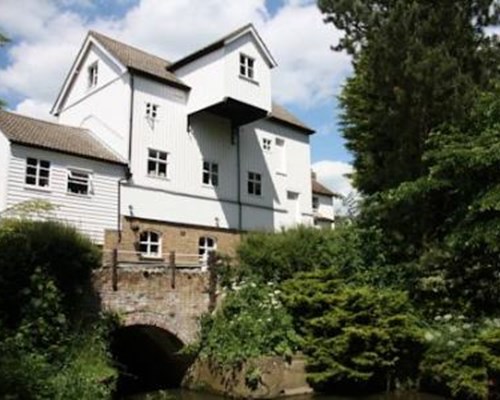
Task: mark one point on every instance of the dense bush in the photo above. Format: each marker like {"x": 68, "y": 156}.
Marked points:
{"x": 357, "y": 338}
{"x": 52, "y": 338}
{"x": 463, "y": 358}
{"x": 250, "y": 322}
{"x": 276, "y": 257}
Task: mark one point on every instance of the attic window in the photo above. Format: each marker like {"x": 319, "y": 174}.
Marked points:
{"x": 247, "y": 66}
{"x": 151, "y": 110}
{"x": 92, "y": 75}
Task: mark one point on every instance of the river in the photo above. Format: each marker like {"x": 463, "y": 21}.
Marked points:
{"x": 179, "y": 394}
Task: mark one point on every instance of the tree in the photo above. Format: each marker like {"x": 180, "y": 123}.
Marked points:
{"x": 417, "y": 64}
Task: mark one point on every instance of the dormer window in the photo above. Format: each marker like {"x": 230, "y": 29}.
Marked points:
{"x": 247, "y": 66}
{"x": 151, "y": 110}
{"x": 92, "y": 72}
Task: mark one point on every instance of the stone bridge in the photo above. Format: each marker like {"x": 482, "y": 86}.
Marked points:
{"x": 169, "y": 298}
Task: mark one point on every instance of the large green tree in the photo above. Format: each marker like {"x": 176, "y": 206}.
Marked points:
{"x": 417, "y": 64}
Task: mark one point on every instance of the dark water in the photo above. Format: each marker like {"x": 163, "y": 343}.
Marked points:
{"x": 178, "y": 394}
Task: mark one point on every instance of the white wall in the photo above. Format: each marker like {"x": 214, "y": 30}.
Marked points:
{"x": 217, "y": 75}
{"x": 257, "y": 93}
{"x": 325, "y": 209}
{"x": 103, "y": 109}
{"x": 4, "y": 164}
{"x": 90, "y": 214}
{"x": 277, "y": 181}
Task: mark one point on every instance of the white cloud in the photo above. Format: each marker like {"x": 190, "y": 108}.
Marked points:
{"x": 48, "y": 36}
{"x": 332, "y": 174}
{"x": 35, "y": 109}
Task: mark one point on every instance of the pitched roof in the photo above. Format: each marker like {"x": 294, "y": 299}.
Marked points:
{"x": 138, "y": 60}
{"x": 318, "y": 188}
{"x": 47, "y": 135}
{"x": 281, "y": 114}
{"x": 220, "y": 43}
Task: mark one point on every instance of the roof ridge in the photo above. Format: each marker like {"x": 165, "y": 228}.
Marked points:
{"x": 44, "y": 121}
{"x": 96, "y": 34}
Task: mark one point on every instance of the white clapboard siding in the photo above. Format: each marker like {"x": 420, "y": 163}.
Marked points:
{"x": 103, "y": 109}
{"x": 4, "y": 164}
{"x": 91, "y": 214}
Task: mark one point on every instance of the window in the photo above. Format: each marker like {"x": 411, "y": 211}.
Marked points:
{"x": 37, "y": 172}
{"x": 149, "y": 244}
{"x": 247, "y": 66}
{"x": 92, "y": 75}
{"x": 78, "y": 182}
{"x": 254, "y": 183}
{"x": 280, "y": 147}
{"x": 206, "y": 245}
{"x": 157, "y": 163}
{"x": 266, "y": 144}
{"x": 315, "y": 203}
{"x": 151, "y": 110}
{"x": 210, "y": 173}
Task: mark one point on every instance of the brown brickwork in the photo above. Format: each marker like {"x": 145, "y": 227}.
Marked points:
{"x": 183, "y": 239}
{"x": 147, "y": 296}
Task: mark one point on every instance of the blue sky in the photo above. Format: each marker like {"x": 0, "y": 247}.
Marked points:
{"x": 46, "y": 35}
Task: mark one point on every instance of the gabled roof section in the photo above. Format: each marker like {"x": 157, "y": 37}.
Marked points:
{"x": 33, "y": 132}
{"x": 249, "y": 28}
{"x": 138, "y": 60}
{"x": 318, "y": 188}
{"x": 282, "y": 115}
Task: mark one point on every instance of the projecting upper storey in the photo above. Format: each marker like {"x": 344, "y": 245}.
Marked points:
{"x": 230, "y": 77}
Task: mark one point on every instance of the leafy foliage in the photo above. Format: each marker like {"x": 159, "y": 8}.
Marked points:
{"x": 251, "y": 322}
{"x": 53, "y": 342}
{"x": 357, "y": 338}
{"x": 463, "y": 359}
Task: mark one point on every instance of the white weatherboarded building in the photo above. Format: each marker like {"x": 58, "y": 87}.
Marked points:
{"x": 208, "y": 153}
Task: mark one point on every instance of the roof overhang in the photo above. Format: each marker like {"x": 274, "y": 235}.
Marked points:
{"x": 75, "y": 69}
{"x": 247, "y": 29}
{"x": 237, "y": 112}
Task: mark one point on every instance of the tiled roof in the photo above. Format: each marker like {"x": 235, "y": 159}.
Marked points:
{"x": 52, "y": 136}
{"x": 318, "y": 188}
{"x": 281, "y": 114}
{"x": 138, "y": 60}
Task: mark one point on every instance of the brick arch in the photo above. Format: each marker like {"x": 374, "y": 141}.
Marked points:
{"x": 157, "y": 320}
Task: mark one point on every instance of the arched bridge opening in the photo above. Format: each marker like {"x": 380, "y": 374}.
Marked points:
{"x": 148, "y": 358}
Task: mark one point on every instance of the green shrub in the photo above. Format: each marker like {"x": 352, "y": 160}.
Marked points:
{"x": 278, "y": 256}
{"x": 251, "y": 322}
{"x": 463, "y": 358}
{"x": 356, "y": 338}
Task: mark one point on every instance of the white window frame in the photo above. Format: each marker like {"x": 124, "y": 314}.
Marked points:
{"x": 150, "y": 243}
{"x": 155, "y": 156}
{"x": 247, "y": 66}
{"x": 92, "y": 74}
{"x": 254, "y": 183}
{"x": 152, "y": 110}
{"x": 37, "y": 173}
{"x": 210, "y": 173}
{"x": 267, "y": 144}
{"x": 72, "y": 177}
{"x": 204, "y": 249}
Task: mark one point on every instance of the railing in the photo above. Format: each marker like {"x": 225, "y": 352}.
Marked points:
{"x": 172, "y": 261}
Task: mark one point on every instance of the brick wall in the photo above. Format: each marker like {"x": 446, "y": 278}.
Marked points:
{"x": 183, "y": 239}
{"x": 147, "y": 296}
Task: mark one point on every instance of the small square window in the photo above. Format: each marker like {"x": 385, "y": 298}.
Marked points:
{"x": 37, "y": 172}
{"x": 157, "y": 163}
{"x": 254, "y": 183}
{"x": 315, "y": 203}
{"x": 266, "y": 144}
{"x": 92, "y": 75}
{"x": 152, "y": 110}
{"x": 79, "y": 182}
{"x": 247, "y": 66}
